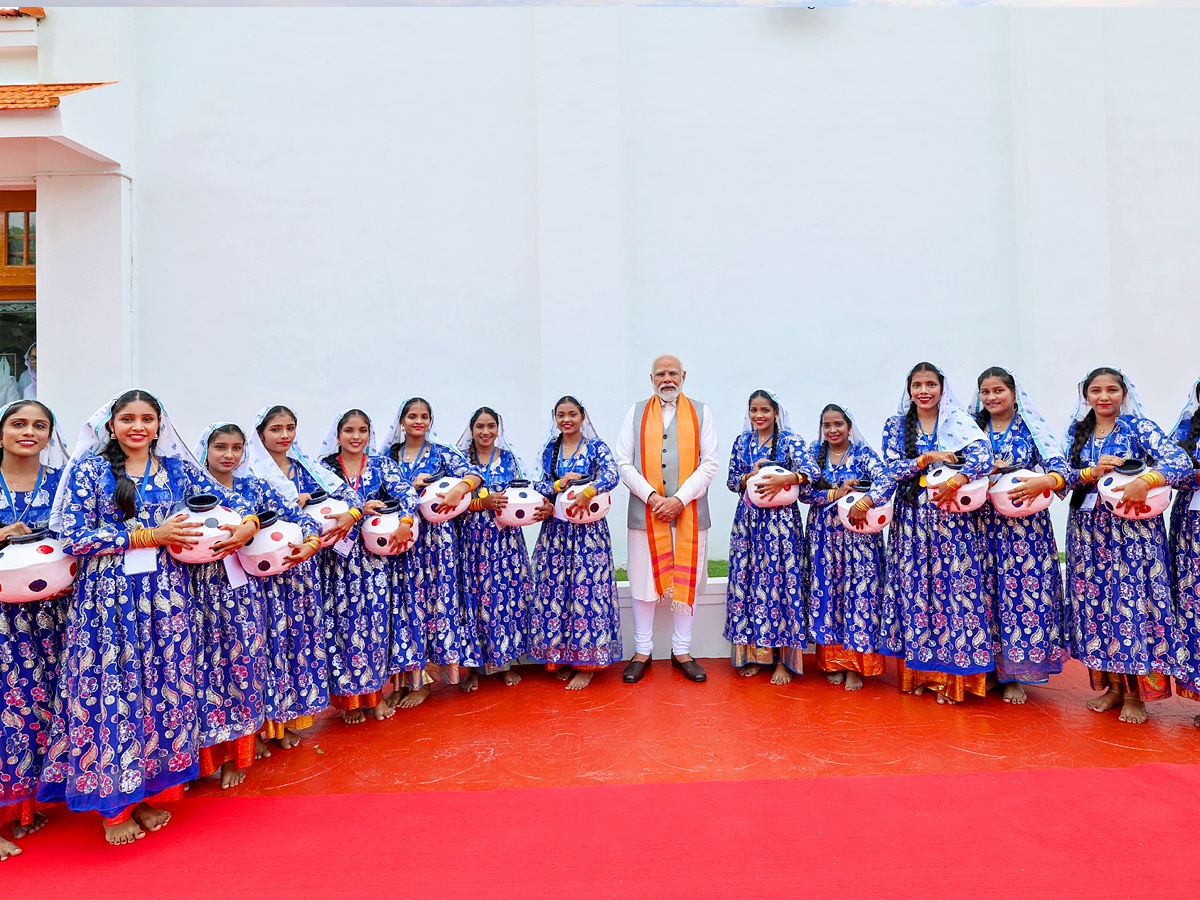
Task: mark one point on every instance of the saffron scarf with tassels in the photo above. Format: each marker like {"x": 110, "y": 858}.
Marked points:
{"x": 674, "y": 569}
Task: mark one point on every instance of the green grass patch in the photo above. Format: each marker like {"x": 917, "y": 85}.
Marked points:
{"x": 717, "y": 568}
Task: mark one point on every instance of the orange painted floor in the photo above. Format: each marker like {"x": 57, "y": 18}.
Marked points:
{"x": 666, "y": 729}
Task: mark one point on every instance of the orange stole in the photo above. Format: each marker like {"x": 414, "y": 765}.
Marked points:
{"x": 239, "y": 751}
{"x": 19, "y": 813}
{"x": 675, "y": 569}
{"x": 953, "y": 687}
{"x": 836, "y": 658}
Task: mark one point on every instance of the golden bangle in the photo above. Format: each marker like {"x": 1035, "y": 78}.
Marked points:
{"x": 861, "y": 504}
{"x": 313, "y": 541}
{"x": 829, "y": 496}
{"x": 1154, "y": 479}
{"x": 953, "y": 483}
{"x": 356, "y": 512}
{"x": 1085, "y": 475}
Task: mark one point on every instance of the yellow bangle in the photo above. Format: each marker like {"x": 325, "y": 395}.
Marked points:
{"x": 1085, "y": 475}
{"x": 1154, "y": 479}
{"x": 314, "y": 542}
{"x": 558, "y": 488}
{"x": 142, "y": 539}
{"x": 408, "y": 519}
{"x": 1062, "y": 482}
{"x": 253, "y": 519}
{"x": 921, "y": 461}
{"x": 953, "y": 483}
{"x": 356, "y": 512}
{"x": 829, "y": 496}
{"x": 861, "y": 504}
{"x": 589, "y": 492}
{"x": 476, "y": 505}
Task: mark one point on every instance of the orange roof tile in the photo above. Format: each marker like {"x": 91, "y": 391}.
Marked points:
{"x": 36, "y": 12}
{"x": 39, "y": 96}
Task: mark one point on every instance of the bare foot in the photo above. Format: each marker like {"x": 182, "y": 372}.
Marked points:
{"x": 7, "y": 849}
{"x": 918, "y": 692}
{"x": 510, "y": 677}
{"x": 835, "y": 677}
{"x": 414, "y": 698}
{"x": 383, "y": 710}
{"x": 945, "y": 701}
{"x": 290, "y": 739}
{"x": 261, "y": 749}
{"x": 750, "y": 670}
{"x": 39, "y": 822}
{"x": 579, "y": 681}
{"x": 781, "y": 675}
{"x": 149, "y": 817}
{"x": 231, "y": 776}
{"x": 564, "y": 673}
{"x": 1014, "y": 693}
{"x": 125, "y": 833}
{"x": 854, "y": 681}
{"x": 354, "y": 716}
{"x": 470, "y": 683}
{"x": 1133, "y": 711}
{"x": 1196, "y": 721}
{"x": 397, "y": 695}
{"x": 1105, "y": 701}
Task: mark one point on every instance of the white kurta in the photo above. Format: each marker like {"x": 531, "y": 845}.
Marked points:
{"x": 641, "y": 569}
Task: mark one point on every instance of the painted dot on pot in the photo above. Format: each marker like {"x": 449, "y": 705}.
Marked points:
{"x": 882, "y": 520}
{"x": 74, "y": 567}
{"x": 523, "y": 494}
{"x": 175, "y": 549}
{"x": 326, "y": 509}
{"x": 375, "y": 521}
{"x": 1108, "y": 481}
{"x": 965, "y": 501}
{"x": 263, "y": 566}
{"x": 520, "y": 513}
{"x": 1046, "y": 494}
{"x": 382, "y": 542}
{"x": 1017, "y": 503}
{"x": 595, "y": 507}
{"x": 211, "y": 523}
{"x": 37, "y": 585}
{"x": 45, "y": 548}
{"x": 277, "y": 535}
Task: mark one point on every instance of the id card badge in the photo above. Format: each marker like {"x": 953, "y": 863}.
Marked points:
{"x": 234, "y": 571}
{"x": 343, "y": 547}
{"x": 1195, "y": 504}
{"x": 1089, "y": 502}
{"x": 141, "y": 561}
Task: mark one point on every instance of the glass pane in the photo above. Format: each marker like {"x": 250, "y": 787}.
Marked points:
{"x": 16, "y": 238}
{"x": 32, "y": 235}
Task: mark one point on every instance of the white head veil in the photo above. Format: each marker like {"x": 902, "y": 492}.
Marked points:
{"x": 464, "y": 444}
{"x": 1189, "y": 409}
{"x": 551, "y": 432}
{"x": 28, "y": 380}
{"x": 54, "y": 454}
{"x": 856, "y": 436}
{"x": 395, "y": 434}
{"x": 1043, "y": 437}
{"x": 1131, "y": 406}
{"x": 94, "y": 436}
{"x": 329, "y": 445}
{"x": 258, "y": 462}
{"x": 783, "y": 417}
{"x": 201, "y": 451}
{"x": 956, "y": 427}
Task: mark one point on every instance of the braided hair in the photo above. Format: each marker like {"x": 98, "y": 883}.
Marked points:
{"x": 125, "y": 494}
{"x": 558, "y": 441}
{"x": 822, "y": 483}
{"x": 766, "y": 395}
{"x": 983, "y": 418}
{"x": 332, "y": 459}
{"x": 1086, "y": 427}
{"x": 394, "y": 450}
{"x": 16, "y": 408}
{"x": 1188, "y": 444}
{"x": 912, "y": 424}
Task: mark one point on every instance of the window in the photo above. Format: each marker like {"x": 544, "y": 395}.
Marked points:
{"x": 22, "y": 235}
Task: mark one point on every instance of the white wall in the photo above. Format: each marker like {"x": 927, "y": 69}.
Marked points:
{"x": 348, "y": 207}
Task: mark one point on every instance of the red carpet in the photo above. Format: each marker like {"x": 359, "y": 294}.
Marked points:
{"x": 1095, "y": 833}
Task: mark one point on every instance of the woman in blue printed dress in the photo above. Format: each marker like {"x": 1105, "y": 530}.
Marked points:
{"x": 497, "y": 580}
{"x": 230, "y": 624}
{"x": 845, "y": 568}
{"x": 765, "y": 616}
{"x": 31, "y": 461}
{"x": 434, "y": 606}
{"x": 937, "y": 609}
{"x": 1185, "y": 551}
{"x": 574, "y": 618}
{"x": 1027, "y": 591}
{"x": 363, "y": 594}
{"x": 124, "y": 727}
{"x": 1121, "y": 618}
{"x": 297, "y": 667}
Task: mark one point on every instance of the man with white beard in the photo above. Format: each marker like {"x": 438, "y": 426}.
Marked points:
{"x": 667, "y": 456}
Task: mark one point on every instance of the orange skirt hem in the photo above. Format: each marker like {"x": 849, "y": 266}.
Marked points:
{"x": 1146, "y": 688}
{"x": 355, "y": 701}
{"x": 836, "y": 658}
{"x": 952, "y": 687}
{"x": 239, "y": 751}
{"x": 274, "y": 731}
{"x": 20, "y": 813}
